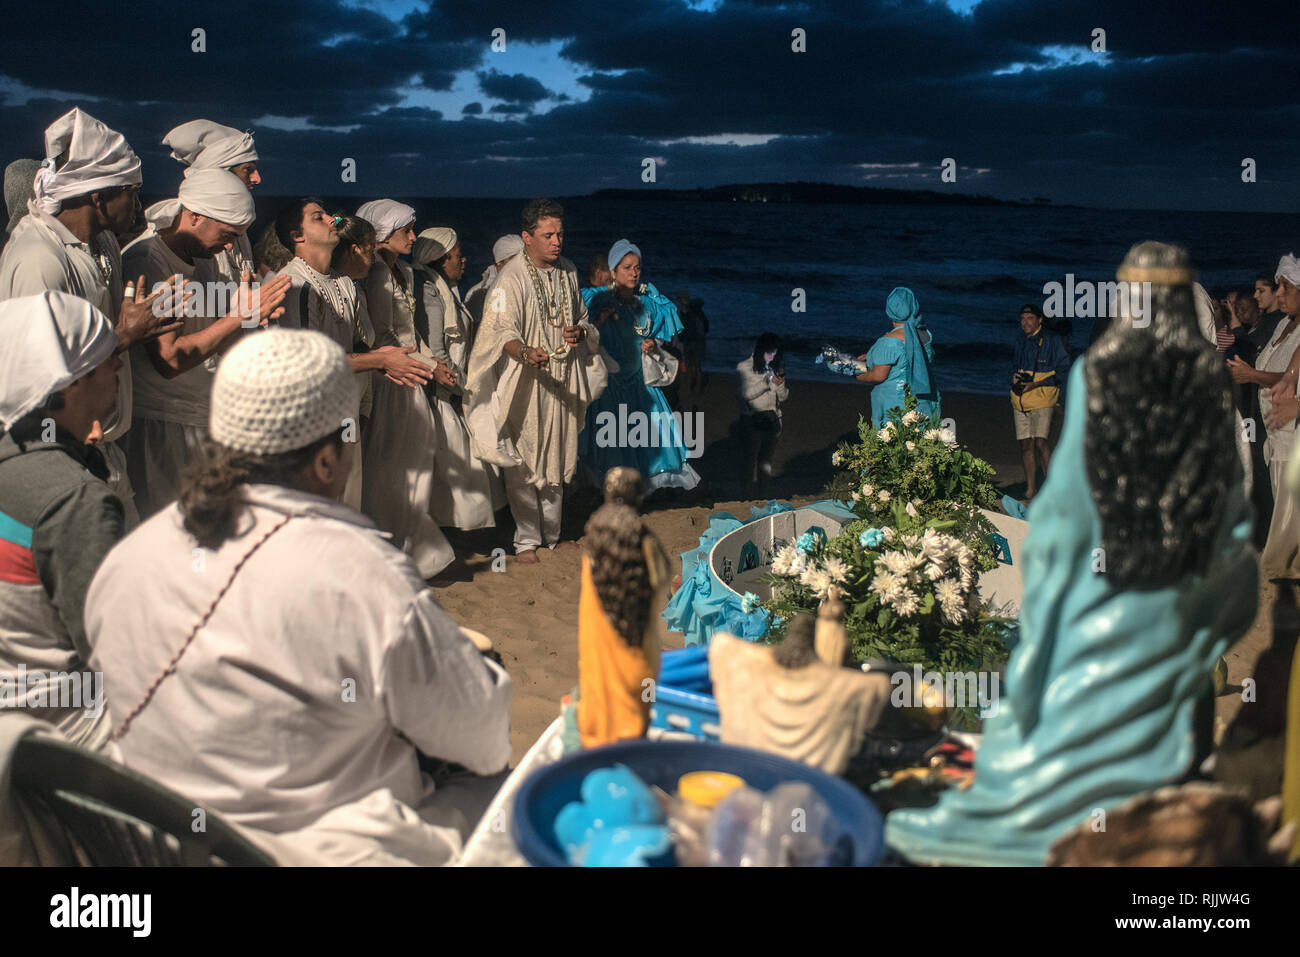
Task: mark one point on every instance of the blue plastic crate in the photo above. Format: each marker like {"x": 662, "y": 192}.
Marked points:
{"x": 684, "y": 699}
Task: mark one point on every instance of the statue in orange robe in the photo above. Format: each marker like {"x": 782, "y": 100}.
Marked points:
{"x": 625, "y": 582}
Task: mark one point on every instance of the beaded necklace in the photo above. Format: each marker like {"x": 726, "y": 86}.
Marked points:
{"x": 332, "y": 295}
{"x": 552, "y": 311}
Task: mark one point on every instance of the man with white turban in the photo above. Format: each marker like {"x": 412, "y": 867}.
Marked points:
{"x": 503, "y": 250}
{"x": 86, "y": 190}
{"x": 173, "y": 373}
{"x": 535, "y": 367}
{"x": 58, "y": 517}
{"x": 324, "y": 667}
{"x": 204, "y": 145}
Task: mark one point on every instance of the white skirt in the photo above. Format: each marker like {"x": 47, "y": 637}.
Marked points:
{"x": 398, "y": 448}
{"x": 1281, "y": 555}
{"x": 157, "y": 452}
{"x": 467, "y": 491}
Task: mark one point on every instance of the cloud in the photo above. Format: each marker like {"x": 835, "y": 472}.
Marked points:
{"x": 1009, "y": 88}
{"x": 515, "y": 88}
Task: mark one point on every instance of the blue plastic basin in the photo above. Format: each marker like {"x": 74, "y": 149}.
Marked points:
{"x": 662, "y": 763}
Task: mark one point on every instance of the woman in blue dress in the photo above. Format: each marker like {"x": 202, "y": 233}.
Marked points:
{"x": 631, "y": 424}
{"x": 901, "y": 357}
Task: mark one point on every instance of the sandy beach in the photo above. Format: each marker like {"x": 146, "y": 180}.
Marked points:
{"x": 531, "y": 612}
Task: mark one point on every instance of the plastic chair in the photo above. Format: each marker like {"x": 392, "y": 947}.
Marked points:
{"x": 102, "y": 814}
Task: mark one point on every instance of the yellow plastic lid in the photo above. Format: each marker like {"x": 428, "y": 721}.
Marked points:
{"x": 707, "y": 788}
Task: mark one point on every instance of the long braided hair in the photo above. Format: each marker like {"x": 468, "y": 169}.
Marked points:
{"x": 615, "y": 538}
{"x": 1159, "y": 447}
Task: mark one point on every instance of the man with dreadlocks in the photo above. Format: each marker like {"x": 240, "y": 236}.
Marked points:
{"x": 1140, "y": 550}
{"x": 625, "y": 579}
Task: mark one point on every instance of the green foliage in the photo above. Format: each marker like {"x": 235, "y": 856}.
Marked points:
{"x": 913, "y": 483}
{"x": 913, "y": 460}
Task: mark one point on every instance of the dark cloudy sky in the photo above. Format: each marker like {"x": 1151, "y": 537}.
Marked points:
{"x": 586, "y": 90}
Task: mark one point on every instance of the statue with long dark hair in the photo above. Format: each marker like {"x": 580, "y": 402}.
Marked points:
{"x": 1139, "y": 572}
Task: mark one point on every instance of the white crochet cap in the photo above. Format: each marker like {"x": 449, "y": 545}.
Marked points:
{"x": 280, "y": 390}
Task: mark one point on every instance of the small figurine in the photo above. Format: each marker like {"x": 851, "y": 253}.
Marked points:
{"x": 1140, "y": 571}
{"x": 625, "y": 578}
{"x": 787, "y": 700}
{"x": 832, "y": 638}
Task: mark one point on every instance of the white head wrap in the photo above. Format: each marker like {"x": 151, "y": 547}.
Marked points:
{"x": 387, "y": 216}
{"x": 202, "y": 144}
{"x": 98, "y": 158}
{"x": 433, "y": 243}
{"x": 508, "y": 245}
{"x": 281, "y": 390}
{"x": 1288, "y": 268}
{"x": 51, "y": 340}
{"x": 215, "y": 193}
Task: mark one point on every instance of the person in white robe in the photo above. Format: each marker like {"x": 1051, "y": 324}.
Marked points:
{"x": 1275, "y": 371}
{"x": 325, "y": 298}
{"x": 299, "y": 666}
{"x": 172, "y": 374}
{"x": 535, "y": 367}
{"x": 503, "y": 250}
{"x": 202, "y": 144}
{"x": 401, "y": 448}
{"x": 86, "y": 190}
{"x": 467, "y": 491}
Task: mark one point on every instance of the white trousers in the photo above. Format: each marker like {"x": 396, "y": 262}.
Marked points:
{"x": 536, "y": 511}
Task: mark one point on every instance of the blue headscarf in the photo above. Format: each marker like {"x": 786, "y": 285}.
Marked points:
{"x": 901, "y": 307}
{"x": 619, "y": 250}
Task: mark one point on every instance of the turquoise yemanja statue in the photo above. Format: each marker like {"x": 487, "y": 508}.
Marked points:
{"x": 1139, "y": 571}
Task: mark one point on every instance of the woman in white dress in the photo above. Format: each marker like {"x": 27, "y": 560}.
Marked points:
{"x": 400, "y": 448}
{"x": 466, "y": 490}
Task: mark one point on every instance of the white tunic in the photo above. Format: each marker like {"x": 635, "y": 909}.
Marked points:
{"x": 332, "y": 305}
{"x": 323, "y": 668}
{"x": 1275, "y": 357}
{"x": 466, "y": 490}
{"x": 43, "y": 254}
{"x": 520, "y": 416}
{"x": 401, "y": 443}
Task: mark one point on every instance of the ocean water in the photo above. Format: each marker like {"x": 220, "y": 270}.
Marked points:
{"x": 971, "y": 267}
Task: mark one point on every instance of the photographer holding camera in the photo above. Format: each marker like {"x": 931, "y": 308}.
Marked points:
{"x": 1039, "y": 370}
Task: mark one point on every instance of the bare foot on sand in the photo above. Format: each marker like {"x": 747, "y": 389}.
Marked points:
{"x": 527, "y": 557}
{"x": 566, "y": 546}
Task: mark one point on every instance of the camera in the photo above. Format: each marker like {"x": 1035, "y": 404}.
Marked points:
{"x": 1020, "y": 381}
